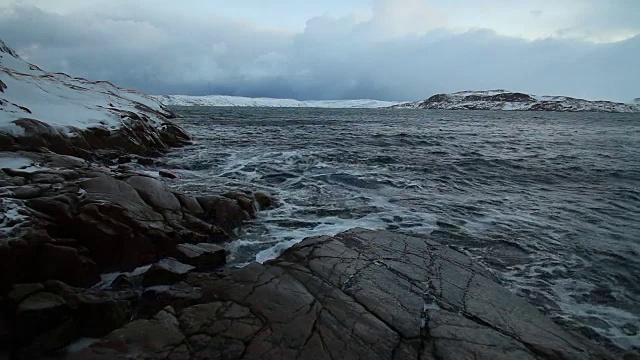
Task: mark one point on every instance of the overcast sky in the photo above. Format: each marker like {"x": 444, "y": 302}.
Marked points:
{"x": 332, "y": 49}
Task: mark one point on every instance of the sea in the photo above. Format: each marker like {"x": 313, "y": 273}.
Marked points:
{"x": 549, "y": 202}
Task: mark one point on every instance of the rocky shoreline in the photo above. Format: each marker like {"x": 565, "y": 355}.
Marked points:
{"x": 360, "y": 294}
{"x": 101, "y": 259}
{"x": 66, "y": 221}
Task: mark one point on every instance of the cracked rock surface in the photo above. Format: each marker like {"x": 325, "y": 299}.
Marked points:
{"x": 359, "y": 295}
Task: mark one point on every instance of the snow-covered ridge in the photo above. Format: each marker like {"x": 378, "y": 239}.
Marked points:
{"x": 224, "y": 100}
{"x": 62, "y": 101}
{"x": 507, "y": 100}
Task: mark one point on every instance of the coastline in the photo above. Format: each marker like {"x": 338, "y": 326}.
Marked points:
{"x": 84, "y": 198}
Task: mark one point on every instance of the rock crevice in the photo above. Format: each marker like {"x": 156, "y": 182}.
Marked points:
{"x": 409, "y": 298}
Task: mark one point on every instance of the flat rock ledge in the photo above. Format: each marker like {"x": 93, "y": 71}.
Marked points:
{"x": 359, "y": 295}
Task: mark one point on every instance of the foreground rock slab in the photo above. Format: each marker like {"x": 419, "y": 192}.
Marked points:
{"x": 359, "y": 295}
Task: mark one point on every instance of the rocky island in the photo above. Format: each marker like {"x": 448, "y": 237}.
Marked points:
{"x": 101, "y": 259}
{"x": 507, "y": 100}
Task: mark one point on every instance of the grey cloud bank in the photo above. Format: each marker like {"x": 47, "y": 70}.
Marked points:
{"x": 333, "y": 58}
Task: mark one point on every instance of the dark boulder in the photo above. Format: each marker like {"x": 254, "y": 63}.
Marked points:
{"x": 67, "y": 264}
{"x": 204, "y": 257}
{"x": 97, "y": 312}
{"x": 40, "y": 314}
{"x": 155, "y": 193}
{"x": 158, "y": 338}
{"x": 223, "y": 211}
{"x": 166, "y": 272}
{"x": 156, "y": 298}
{"x": 168, "y": 174}
{"x": 189, "y": 204}
{"x": 265, "y": 201}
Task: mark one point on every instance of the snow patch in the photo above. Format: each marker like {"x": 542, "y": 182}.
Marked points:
{"x": 61, "y": 100}
{"x": 239, "y": 101}
{"x": 11, "y": 216}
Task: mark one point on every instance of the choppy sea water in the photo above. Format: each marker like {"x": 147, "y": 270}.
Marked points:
{"x": 550, "y": 202}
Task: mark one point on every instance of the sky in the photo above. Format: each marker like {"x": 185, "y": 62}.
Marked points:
{"x": 350, "y": 49}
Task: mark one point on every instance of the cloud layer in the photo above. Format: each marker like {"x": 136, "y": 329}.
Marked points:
{"x": 390, "y": 54}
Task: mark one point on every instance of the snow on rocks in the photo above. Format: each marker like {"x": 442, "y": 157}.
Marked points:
{"x": 239, "y": 101}
{"x": 76, "y": 116}
{"x": 507, "y": 100}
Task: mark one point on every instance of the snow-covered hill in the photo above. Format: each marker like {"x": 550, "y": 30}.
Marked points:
{"x": 507, "y": 100}
{"x": 64, "y": 102}
{"x": 223, "y": 100}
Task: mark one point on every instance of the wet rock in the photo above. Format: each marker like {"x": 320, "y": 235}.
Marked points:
{"x": 223, "y": 211}
{"x": 203, "y": 256}
{"x": 367, "y": 295}
{"x": 144, "y": 161}
{"x": 166, "y": 272}
{"x": 124, "y": 159}
{"x": 189, "y": 204}
{"x": 265, "y": 201}
{"x": 25, "y": 192}
{"x": 159, "y": 338}
{"x": 168, "y": 174}
{"x": 246, "y": 202}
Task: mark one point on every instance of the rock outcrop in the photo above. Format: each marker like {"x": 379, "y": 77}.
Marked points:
{"x": 361, "y": 294}
{"x": 74, "y": 116}
{"x": 65, "y": 221}
{"x": 87, "y": 219}
{"x": 506, "y": 100}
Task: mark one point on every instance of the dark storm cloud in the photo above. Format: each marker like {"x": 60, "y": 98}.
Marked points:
{"x": 164, "y": 53}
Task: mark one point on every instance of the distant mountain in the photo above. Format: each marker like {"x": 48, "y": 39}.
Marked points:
{"x": 507, "y": 100}
{"x": 636, "y": 100}
{"x": 223, "y": 100}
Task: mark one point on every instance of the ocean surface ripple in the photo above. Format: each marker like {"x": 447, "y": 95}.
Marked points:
{"x": 549, "y": 202}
